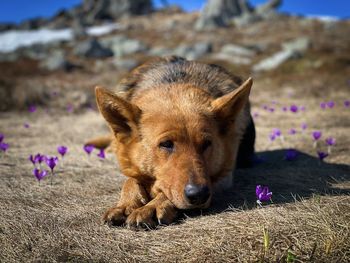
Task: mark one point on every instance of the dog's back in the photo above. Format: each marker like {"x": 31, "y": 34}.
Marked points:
{"x": 212, "y": 78}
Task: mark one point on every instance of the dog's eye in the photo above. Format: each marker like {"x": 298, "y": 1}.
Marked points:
{"x": 205, "y": 145}
{"x": 167, "y": 145}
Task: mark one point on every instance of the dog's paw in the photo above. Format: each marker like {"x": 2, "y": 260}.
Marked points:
{"x": 149, "y": 216}
{"x": 115, "y": 216}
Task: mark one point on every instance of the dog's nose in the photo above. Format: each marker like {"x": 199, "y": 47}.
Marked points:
{"x": 197, "y": 194}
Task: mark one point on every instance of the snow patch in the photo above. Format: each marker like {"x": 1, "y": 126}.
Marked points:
{"x": 13, "y": 39}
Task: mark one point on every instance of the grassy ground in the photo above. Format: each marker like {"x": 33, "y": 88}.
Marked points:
{"x": 309, "y": 219}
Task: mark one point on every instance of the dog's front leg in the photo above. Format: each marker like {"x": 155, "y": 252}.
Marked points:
{"x": 133, "y": 196}
{"x": 159, "y": 209}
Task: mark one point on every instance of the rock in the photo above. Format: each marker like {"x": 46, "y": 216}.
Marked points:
{"x": 114, "y": 9}
{"x": 291, "y": 49}
{"x": 233, "y": 59}
{"x": 31, "y": 24}
{"x": 275, "y": 60}
{"x": 268, "y": 9}
{"x": 193, "y": 52}
{"x": 125, "y": 64}
{"x": 78, "y": 29}
{"x": 9, "y": 57}
{"x": 121, "y": 45}
{"x": 92, "y": 49}
{"x": 56, "y": 61}
{"x": 233, "y": 49}
{"x": 160, "y": 51}
{"x": 300, "y": 44}
{"x": 7, "y": 26}
{"x": 219, "y": 13}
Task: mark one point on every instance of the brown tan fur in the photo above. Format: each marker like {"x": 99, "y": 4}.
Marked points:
{"x": 201, "y": 109}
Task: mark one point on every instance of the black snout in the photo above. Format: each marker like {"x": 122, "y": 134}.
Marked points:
{"x": 197, "y": 194}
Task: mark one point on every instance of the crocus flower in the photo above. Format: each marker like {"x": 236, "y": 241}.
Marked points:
{"x": 277, "y": 132}
{"x": 70, "y": 108}
{"x": 40, "y": 158}
{"x": 32, "y": 159}
{"x": 265, "y": 107}
{"x": 322, "y": 155}
{"x": 292, "y": 131}
{"x": 88, "y": 148}
{"x": 62, "y": 150}
{"x": 272, "y": 137}
{"x": 51, "y": 162}
{"x": 323, "y": 105}
{"x": 262, "y": 193}
{"x": 284, "y": 108}
{"x": 347, "y": 104}
{"x": 330, "y": 104}
{"x": 101, "y": 154}
{"x": 294, "y": 108}
{"x": 291, "y": 154}
{"x": 304, "y": 126}
{"x": 39, "y": 174}
{"x": 32, "y": 108}
{"x": 316, "y": 135}
{"x": 255, "y": 115}
{"x": 330, "y": 141}
{"x": 4, "y": 146}
{"x": 26, "y": 125}
{"x": 302, "y": 108}
{"x": 1, "y": 137}
{"x": 271, "y": 109}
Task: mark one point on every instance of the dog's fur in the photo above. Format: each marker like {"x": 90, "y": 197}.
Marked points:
{"x": 174, "y": 122}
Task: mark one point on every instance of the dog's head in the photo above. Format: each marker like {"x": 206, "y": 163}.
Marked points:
{"x": 181, "y": 138}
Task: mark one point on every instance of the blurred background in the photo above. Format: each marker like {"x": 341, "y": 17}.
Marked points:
{"x": 52, "y": 53}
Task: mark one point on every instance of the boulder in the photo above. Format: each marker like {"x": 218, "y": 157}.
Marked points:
{"x": 275, "y": 60}
{"x": 299, "y": 44}
{"x": 92, "y": 49}
{"x": 237, "y": 50}
{"x": 195, "y": 51}
{"x": 56, "y": 61}
{"x": 121, "y": 45}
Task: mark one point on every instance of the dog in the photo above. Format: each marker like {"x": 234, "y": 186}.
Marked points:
{"x": 178, "y": 129}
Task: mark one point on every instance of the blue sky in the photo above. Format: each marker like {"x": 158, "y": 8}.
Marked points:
{"x": 17, "y": 10}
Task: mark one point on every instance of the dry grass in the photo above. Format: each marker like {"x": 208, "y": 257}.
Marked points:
{"x": 310, "y": 217}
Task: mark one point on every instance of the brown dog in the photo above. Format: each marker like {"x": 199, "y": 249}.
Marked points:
{"x": 178, "y": 129}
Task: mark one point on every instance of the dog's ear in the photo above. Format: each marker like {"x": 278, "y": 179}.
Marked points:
{"x": 227, "y": 107}
{"x": 121, "y": 115}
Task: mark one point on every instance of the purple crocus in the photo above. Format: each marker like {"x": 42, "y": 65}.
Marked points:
{"x": 26, "y": 125}
{"x": 330, "y": 141}
{"x": 255, "y": 115}
{"x": 271, "y": 110}
{"x": 272, "y": 137}
{"x": 4, "y": 146}
{"x": 322, "y": 155}
{"x": 323, "y": 105}
{"x": 330, "y": 104}
{"x": 1, "y": 137}
{"x": 291, "y": 154}
{"x": 101, "y": 154}
{"x": 32, "y": 108}
{"x": 39, "y": 174}
{"x": 32, "y": 159}
{"x": 302, "y": 108}
{"x": 51, "y": 162}
{"x": 262, "y": 193}
{"x": 40, "y": 158}
{"x": 304, "y": 126}
{"x": 316, "y": 135}
{"x": 292, "y": 131}
{"x": 62, "y": 150}
{"x": 70, "y": 108}
{"x": 284, "y": 108}
{"x": 277, "y": 132}
{"x": 294, "y": 108}
{"x": 347, "y": 104}
{"x": 88, "y": 148}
